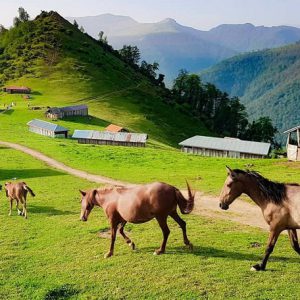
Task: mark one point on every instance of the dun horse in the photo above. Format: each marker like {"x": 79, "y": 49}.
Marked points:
{"x": 138, "y": 205}
{"x": 280, "y": 205}
{"x": 18, "y": 191}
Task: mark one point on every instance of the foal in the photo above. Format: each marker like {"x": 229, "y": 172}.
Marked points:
{"x": 279, "y": 202}
{"x": 138, "y": 205}
{"x": 18, "y": 191}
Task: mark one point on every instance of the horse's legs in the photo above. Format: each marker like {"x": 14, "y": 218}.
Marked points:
{"x": 126, "y": 238}
{"x": 162, "y": 221}
{"x": 182, "y": 224}
{"x": 23, "y": 201}
{"x": 294, "y": 240}
{"x": 10, "y": 205}
{"x": 18, "y": 209}
{"x": 273, "y": 236}
{"x": 114, "y": 228}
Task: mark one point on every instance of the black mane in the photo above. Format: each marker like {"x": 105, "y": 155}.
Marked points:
{"x": 273, "y": 191}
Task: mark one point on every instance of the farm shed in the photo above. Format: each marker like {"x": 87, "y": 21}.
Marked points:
{"x": 224, "y": 147}
{"x": 17, "y": 90}
{"x": 115, "y": 128}
{"x": 293, "y": 143}
{"x": 47, "y": 128}
{"x": 110, "y": 138}
{"x": 67, "y": 111}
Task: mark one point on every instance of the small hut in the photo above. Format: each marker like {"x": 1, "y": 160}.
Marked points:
{"x": 115, "y": 128}
{"x": 67, "y": 111}
{"x": 110, "y": 138}
{"x": 224, "y": 147}
{"x": 293, "y": 143}
{"x": 17, "y": 90}
{"x": 47, "y": 128}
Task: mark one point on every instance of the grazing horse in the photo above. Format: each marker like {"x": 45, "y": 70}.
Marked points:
{"x": 139, "y": 204}
{"x": 279, "y": 202}
{"x": 18, "y": 191}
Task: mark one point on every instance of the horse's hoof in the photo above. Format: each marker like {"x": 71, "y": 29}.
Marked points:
{"x": 20, "y": 213}
{"x": 132, "y": 245}
{"x": 158, "y": 252}
{"x": 190, "y": 246}
{"x": 107, "y": 255}
{"x": 256, "y": 268}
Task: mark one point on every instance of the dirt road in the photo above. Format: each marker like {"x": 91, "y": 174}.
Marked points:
{"x": 240, "y": 211}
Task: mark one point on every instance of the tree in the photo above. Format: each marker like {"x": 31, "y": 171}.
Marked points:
{"x": 102, "y": 37}
{"x": 75, "y": 24}
{"x": 23, "y": 15}
{"x": 149, "y": 69}
{"x": 130, "y": 54}
{"x": 81, "y": 29}
{"x": 16, "y": 21}
{"x": 2, "y": 29}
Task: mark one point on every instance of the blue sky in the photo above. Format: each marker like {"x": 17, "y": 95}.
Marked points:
{"x": 201, "y": 14}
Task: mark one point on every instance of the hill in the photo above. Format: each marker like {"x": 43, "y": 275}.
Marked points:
{"x": 64, "y": 66}
{"x": 177, "y": 47}
{"x": 267, "y": 82}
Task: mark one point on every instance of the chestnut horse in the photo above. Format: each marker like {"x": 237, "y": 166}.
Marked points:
{"x": 18, "y": 191}
{"x": 139, "y": 204}
{"x": 279, "y": 202}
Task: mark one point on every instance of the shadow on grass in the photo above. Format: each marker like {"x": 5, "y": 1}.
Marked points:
{"x": 28, "y": 173}
{"x": 8, "y": 112}
{"x": 65, "y": 291}
{"x": 49, "y": 210}
{"x": 219, "y": 253}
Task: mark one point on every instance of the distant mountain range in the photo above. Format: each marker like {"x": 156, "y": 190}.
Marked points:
{"x": 176, "y": 47}
{"x": 267, "y": 82}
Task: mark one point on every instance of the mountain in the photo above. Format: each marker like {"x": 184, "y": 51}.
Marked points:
{"x": 64, "y": 66}
{"x": 267, "y": 82}
{"x": 177, "y": 47}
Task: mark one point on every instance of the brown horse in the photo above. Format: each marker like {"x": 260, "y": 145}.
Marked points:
{"x": 139, "y": 204}
{"x": 18, "y": 191}
{"x": 279, "y": 202}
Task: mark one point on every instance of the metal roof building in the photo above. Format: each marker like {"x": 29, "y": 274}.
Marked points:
{"x": 110, "y": 138}
{"x": 47, "y": 128}
{"x": 67, "y": 111}
{"x": 293, "y": 143}
{"x": 115, "y": 128}
{"x": 225, "y": 147}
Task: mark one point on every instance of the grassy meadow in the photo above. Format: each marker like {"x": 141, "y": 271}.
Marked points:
{"x": 52, "y": 255}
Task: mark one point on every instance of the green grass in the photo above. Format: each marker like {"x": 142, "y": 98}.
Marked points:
{"x": 52, "y": 254}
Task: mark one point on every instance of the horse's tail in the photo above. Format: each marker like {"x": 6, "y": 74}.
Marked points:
{"x": 27, "y": 188}
{"x": 185, "y": 205}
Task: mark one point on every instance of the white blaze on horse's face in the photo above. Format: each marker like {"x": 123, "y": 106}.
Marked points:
{"x": 86, "y": 206}
{"x": 231, "y": 190}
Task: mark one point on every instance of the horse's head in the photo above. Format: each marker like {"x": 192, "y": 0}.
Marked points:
{"x": 231, "y": 190}
{"x": 87, "y": 203}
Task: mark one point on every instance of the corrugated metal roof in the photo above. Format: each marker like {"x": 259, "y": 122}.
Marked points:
{"x": 17, "y": 88}
{"x": 227, "y": 144}
{"x": 46, "y": 125}
{"x": 113, "y": 128}
{"x": 292, "y": 129}
{"x": 110, "y": 136}
{"x": 73, "y": 107}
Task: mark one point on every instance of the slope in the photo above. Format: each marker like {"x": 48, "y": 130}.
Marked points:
{"x": 268, "y": 83}
{"x": 64, "y": 66}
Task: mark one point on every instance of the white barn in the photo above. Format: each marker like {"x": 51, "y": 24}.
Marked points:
{"x": 224, "y": 147}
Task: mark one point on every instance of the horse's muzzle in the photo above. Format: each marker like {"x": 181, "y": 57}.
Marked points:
{"x": 223, "y": 206}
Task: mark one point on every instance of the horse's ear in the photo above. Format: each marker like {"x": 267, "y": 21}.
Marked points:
{"x": 82, "y": 193}
{"x": 229, "y": 171}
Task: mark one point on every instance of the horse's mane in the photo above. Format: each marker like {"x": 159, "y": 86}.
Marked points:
{"x": 110, "y": 188}
{"x": 273, "y": 191}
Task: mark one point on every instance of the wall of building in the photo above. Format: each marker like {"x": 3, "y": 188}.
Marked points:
{"x": 219, "y": 153}
{"x": 113, "y": 143}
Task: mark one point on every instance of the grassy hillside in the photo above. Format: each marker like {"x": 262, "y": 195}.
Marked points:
{"x": 54, "y": 256}
{"x": 267, "y": 82}
{"x": 64, "y": 66}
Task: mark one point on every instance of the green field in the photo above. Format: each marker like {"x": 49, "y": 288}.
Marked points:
{"x": 53, "y": 254}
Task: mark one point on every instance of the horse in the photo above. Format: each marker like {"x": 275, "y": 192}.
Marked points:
{"x": 139, "y": 204}
{"x": 18, "y": 191}
{"x": 279, "y": 202}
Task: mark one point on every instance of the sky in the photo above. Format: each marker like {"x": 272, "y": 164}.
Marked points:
{"x": 200, "y": 14}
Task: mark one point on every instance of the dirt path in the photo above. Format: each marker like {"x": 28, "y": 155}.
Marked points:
{"x": 240, "y": 211}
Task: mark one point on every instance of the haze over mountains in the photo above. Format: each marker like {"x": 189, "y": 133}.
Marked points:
{"x": 176, "y": 47}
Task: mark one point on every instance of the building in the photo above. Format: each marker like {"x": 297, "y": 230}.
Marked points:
{"x": 67, "y": 111}
{"x": 17, "y": 90}
{"x": 115, "y": 128}
{"x": 293, "y": 144}
{"x": 225, "y": 147}
{"x": 110, "y": 138}
{"x": 47, "y": 128}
